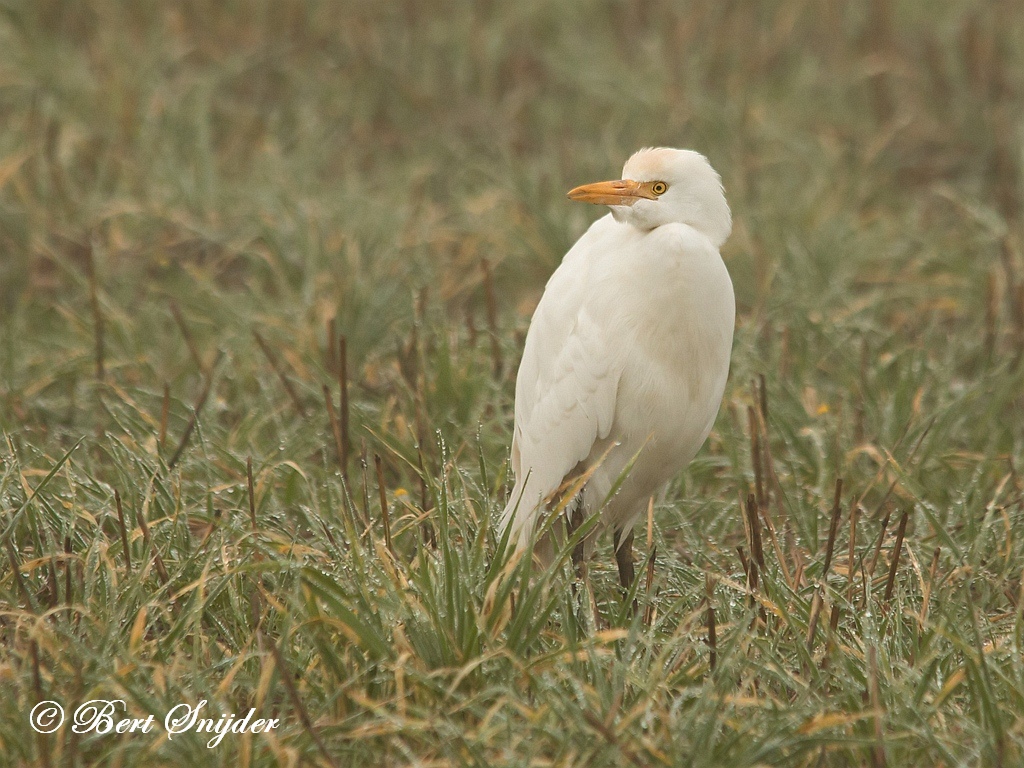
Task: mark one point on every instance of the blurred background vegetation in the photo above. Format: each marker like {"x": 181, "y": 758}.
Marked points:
{"x": 199, "y": 201}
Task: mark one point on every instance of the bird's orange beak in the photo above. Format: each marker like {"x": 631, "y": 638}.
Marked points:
{"x": 622, "y": 192}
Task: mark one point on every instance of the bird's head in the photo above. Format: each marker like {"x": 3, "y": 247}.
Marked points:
{"x": 662, "y": 186}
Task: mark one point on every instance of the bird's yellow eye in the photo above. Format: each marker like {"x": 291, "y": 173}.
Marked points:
{"x": 659, "y": 187}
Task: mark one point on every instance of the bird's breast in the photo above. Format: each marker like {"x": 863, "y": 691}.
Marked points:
{"x": 670, "y": 306}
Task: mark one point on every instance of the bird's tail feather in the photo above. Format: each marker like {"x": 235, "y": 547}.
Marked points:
{"x": 517, "y": 515}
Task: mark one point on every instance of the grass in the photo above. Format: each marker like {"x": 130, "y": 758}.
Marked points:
{"x": 199, "y": 200}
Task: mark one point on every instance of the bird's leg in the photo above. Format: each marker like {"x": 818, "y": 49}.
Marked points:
{"x": 624, "y": 558}
{"x": 574, "y": 519}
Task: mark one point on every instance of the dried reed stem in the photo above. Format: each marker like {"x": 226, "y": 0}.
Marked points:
{"x": 385, "y": 516}
{"x": 756, "y": 548}
{"x": 833, "y": 529}
{"x": 16, "y": 570}
{"x": 346, "y": 443}
{"x": 200, "y": 402}
{"x": 649, "y": 610}
{"x": 817, "y": 602}
{"x": 37, "y": 684}
{"x": 193, "y": 350}
{"x": 68, "y": 596}
{"x": 833, "y": 624}
{"x": 926, "y": 597}
{"x": 709, "y": 590}
{"x": 897, "y": 547}
{"x": 991, "y": 315}
{"x": 332, "y": 346}
{"x": 252, "y": 492}
{"x": 363, "y": 468}
{"x": 812, "y": 623}
{"x": 878, "y": 545}
{"x": 852, "y": 552}
{"x": 124, "y": 533}
{"x": 97, "y": 314}
{"x": 492, "y": 315}
{"x": 763, "y": 400}
{"x": 332, "y": 415}
{"x": 158, "y": 561}
{"x": 859, "y": 408}
{"x": 293, "y": 694}
{"x": 279, "y": 370}
{"x": 768, "y": 464}
{"x": 875, "y": 697}
{"x": 755, "y": 456}
{"x": 165, "y": 413}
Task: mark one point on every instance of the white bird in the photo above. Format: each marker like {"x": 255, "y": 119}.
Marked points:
{"x": 628, "y": 351}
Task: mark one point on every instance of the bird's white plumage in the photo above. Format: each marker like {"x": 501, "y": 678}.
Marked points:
{"x": 628, "y": 350}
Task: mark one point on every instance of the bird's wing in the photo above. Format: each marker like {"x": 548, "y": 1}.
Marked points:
{"x": 565, "y": 390}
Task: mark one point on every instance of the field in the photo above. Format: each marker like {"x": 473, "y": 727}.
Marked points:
{"x": 266, "y": 268}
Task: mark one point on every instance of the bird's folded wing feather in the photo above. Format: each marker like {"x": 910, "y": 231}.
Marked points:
{"x": 565, "y": 390}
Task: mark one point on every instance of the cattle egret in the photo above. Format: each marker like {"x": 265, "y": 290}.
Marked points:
{"x": 628, "y": 351}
